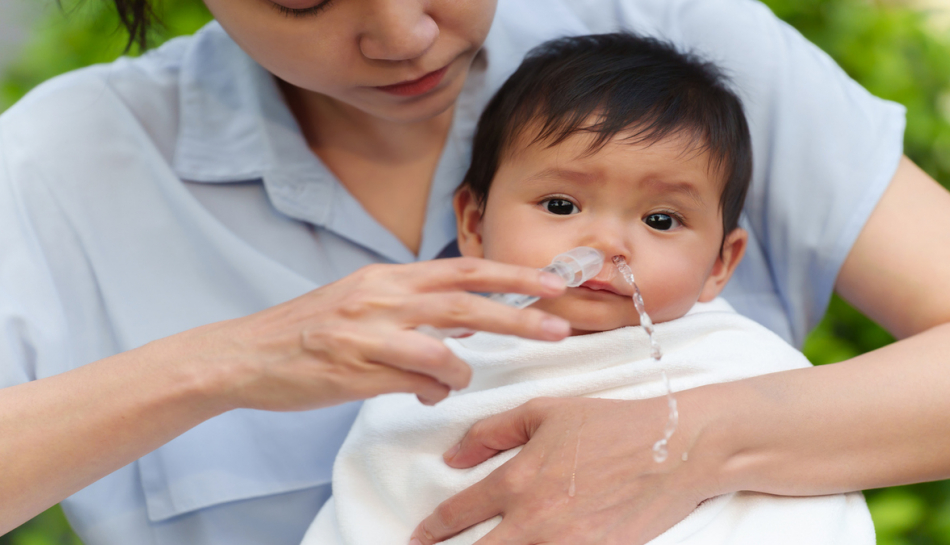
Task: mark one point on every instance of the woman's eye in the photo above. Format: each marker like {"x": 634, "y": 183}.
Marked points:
{"x": 561, "y": 207}
{"x": 303, "y": 11}
{"x": 661, "y": 222}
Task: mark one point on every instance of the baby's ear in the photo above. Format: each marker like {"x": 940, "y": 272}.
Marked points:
{"x": 733, "y": 248}
{"x": 468, "y": 218}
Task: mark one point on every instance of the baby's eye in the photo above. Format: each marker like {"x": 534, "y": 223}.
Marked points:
{"x": 561, "y": 207}
{"x": 661, "y": 222}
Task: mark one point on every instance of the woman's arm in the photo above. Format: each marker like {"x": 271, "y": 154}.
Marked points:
{"x": 879, "y": 419}
{"x": 350, "y": 340}
{"x": 882, "y": 418}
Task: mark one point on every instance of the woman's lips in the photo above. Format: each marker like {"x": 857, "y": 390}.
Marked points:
{"x": 415, "y": 87}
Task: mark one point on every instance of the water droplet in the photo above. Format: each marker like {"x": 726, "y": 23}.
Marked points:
{"x": 571, "y": 490}
{"x": 659, "y": 451}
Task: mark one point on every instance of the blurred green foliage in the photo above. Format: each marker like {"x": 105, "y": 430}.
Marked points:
{"x": 49, "y": 528}
{"x": 87, "y": 32}
{"x": 888, "y": 48}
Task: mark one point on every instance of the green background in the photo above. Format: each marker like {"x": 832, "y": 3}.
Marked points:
{"x": 890, "y": 49}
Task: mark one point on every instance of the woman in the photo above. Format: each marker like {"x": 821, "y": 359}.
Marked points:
{"x": 187, "y": 236}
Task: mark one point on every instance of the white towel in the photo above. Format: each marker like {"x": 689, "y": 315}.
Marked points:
{"x": 389, "y": 475}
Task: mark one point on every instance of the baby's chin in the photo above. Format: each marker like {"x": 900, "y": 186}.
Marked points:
{"x": 592, "y": 315}
{"x": 586, "y": 327}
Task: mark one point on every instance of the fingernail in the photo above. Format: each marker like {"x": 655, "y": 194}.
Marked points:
{"x": 556, "y": 328}
{"x": 551, "y": 281}
{"x": 415, "y": 542}
{"x": 449, "y": 454}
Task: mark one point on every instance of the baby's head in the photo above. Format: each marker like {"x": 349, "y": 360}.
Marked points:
{"x": 623, "y": 144}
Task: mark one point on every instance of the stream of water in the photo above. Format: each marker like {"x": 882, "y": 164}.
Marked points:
{"x": 661, "y": 447}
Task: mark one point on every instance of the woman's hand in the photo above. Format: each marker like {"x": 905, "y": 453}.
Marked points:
{"x": 355, "y": 338}
{"x": 604, "y": 447}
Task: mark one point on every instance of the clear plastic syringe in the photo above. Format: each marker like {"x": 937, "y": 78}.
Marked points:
{"x": 573, "y": 266}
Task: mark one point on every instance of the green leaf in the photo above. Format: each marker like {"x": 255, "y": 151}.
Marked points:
{"x": 895, "y": 511}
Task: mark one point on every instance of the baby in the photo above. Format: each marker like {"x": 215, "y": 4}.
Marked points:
{"x": 625, "y": 145}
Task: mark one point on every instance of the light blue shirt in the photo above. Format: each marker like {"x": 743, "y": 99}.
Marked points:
{"x": 150, "y": 196}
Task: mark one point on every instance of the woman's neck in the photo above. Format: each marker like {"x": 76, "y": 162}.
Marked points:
{"x": 386, "y": 165}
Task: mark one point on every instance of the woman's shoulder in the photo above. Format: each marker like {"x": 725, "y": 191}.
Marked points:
{"x": 96, "y": 105}
{"x": 87, "y": 125}
{"x": 125, "y": 79}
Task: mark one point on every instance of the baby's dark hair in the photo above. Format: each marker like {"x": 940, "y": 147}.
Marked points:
{"x": 608, "y": 84}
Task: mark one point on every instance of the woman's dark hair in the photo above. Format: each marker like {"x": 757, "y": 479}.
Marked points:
{"x": 137, "y": 16}
{"x": 625, "y": 83}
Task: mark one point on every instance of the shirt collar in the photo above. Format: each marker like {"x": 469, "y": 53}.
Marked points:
{"x": 235, "y": 126}
{"x": 230, "y": 108}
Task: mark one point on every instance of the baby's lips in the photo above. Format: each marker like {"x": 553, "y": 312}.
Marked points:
{"x": 599, "y": 284}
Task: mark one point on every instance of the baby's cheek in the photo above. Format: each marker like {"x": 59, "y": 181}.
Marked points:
{"x": 512, "y": 251}
{"x": 671, "y": 297}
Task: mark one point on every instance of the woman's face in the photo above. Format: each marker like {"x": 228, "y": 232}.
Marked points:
{"x": 400, "y": 60}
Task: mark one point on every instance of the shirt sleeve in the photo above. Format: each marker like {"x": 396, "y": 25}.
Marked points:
{"x": 32, "y": 327}
{"x": 824, "y": 148}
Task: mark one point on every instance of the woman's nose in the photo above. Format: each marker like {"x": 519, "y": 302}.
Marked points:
{"x": 398, "y": 30}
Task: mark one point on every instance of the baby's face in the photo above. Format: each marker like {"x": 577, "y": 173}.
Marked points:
{"x": 656, "y": 205}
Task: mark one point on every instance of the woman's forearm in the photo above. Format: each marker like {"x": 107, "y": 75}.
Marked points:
{"x": 62, "y": 433}
{"x": 876, "y": 420}
{"x": 350, "y": 340}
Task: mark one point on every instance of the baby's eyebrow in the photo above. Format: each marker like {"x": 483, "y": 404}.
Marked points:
{"x": 564, "y": 174}
{"x": 685, "y": 188}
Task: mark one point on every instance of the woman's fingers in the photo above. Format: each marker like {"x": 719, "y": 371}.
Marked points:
{"x": 497, "y": 433}
{"x": 604, "y": 489}
{"x": 485, "y": 499}
{"x": 466, "y": 509}
{"x": 345, "y": 331}
{"x": 505, "y": 534}
{"x": 418, "y": 353}
{"x": 465, "y": 310}
{"x": 370, "y": 351}
{"x": 390, "y": 381}
{"x": 482, "y": 275}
